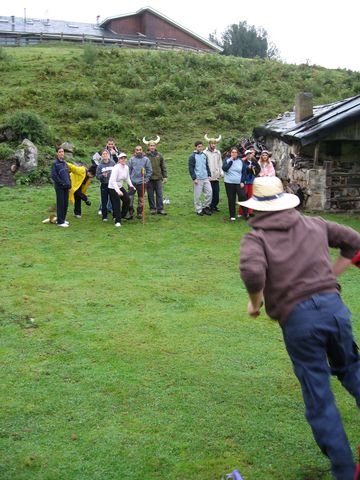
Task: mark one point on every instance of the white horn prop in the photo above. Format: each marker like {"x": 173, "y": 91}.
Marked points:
{"x": 145, "y": 141}
{"x": 218, "y": 139}
{"x": 157, "y": 139}
{"x": 206, "y": 137}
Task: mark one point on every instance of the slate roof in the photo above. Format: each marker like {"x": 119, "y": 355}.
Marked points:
{"x": 325, "y": 120}
{"x": 36, "y": 25}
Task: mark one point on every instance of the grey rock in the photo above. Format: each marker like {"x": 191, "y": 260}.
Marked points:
{"x": 27, "y": 156}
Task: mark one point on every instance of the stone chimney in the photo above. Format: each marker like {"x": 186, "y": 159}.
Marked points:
{"x": 303, "y": 107}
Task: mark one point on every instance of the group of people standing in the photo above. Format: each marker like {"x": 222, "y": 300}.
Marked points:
{"x": 143, "y": 172}
{"x": 206, "y": 167}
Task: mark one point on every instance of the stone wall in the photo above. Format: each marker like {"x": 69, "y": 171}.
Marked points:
{"x": 312, "y": 181}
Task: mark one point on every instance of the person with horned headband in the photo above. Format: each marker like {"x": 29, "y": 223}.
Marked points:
{"x": 154, "y": 186}
{"x": 215, "y": 165}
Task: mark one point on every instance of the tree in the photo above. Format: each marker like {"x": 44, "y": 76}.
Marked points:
{"x": 243, "y": 40}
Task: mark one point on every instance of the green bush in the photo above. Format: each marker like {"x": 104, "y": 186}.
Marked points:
{"x": 6, "y": 152}
{"x": 26, "y": 124}
{"x": 90, "y": 54}
{"x": 38, "y": 176}
{"x": 3, "y": 54}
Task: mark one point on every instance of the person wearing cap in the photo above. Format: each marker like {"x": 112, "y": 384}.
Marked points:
{"x": 252, "y": 171}
{"x": 266, "y": 166}
{"x": 119, "y": 175}
{"x": 285, "y": 264}
{"x": 103, "y": 172}
{"x": 154, "y": 187}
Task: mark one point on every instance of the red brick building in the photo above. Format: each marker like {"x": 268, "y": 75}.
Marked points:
{"x": 152, "y": 25}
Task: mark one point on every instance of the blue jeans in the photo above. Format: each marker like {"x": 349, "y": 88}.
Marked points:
{"x": 319, "y": 340}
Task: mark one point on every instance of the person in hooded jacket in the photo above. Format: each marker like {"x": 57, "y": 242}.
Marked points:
{"x": 285, "y": 264}
{"x": 61, "y": 177}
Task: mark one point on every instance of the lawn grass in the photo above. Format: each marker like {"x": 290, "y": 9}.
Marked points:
{"x": 127, "y": 353}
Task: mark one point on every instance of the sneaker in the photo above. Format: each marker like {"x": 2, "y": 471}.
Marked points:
{"x": 105, "y": 219}
{"x": 139, "y": 216}
{"x": 153, "y": 212}
{"x": 239, "y": 216}
{"x": 67, "y": 223}
{"x": 77, "y": 216}
{"x": 117, "y": 224}
{"x": 162, "y": 212}
{"x": 99, "y": 212}
{"x": 207, "y": 211}
{"x": 64, "y": 225}
{"x": 215, "y": 209}
{"x": 232, "y": 219}
{"x": 200, "y": 214}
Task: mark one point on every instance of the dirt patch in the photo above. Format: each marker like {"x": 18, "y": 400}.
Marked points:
{"x": 6, "y": 175}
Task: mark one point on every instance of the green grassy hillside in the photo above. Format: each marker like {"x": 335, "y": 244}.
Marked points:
{"x": 86, "y": 94}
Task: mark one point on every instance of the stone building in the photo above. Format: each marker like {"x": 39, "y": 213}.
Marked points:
{"x": 318, "y": 148}
{"x": 145, "y": 28}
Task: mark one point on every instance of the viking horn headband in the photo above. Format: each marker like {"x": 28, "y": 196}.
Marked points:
{"x": 146, "y": 142}
{"x": 212, "y": 140}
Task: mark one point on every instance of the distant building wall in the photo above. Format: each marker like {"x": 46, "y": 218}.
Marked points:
{"x": 154, "y": 27}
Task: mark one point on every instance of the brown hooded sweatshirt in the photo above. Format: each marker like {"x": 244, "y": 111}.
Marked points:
{"x": 287, "y": 255}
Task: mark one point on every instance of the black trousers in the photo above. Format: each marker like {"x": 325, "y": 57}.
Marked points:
{"x": 215, "y": 185}
{"x": 105, "y": 195}
{"x": 62, "y": 203}
{"x": 78, "y": 196}
{"x": 115, "y": 200}
{"x": 233, "y": 190}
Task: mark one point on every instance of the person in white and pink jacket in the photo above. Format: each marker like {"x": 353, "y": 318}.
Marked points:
{"x": 119, "y": 175}
{"x": 266, "y": 166}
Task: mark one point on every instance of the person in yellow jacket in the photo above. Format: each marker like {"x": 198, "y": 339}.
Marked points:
{"x": 80, "y": 177}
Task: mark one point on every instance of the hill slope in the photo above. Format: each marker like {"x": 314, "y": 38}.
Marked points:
{"x": 86, "y": 94}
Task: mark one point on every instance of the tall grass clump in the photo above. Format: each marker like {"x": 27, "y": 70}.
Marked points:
{"x": 90, "y": 54}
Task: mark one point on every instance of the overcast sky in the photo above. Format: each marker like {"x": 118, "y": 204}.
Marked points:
{"x": 321, "y": 32}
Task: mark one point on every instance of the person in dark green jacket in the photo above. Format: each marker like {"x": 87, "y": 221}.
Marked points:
{"x": 159, "y": 176}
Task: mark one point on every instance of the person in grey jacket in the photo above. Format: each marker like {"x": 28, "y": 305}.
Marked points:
{"x": 140, "y": 170}
{"x": 200, "y": 173}
{"x": 285, "y": 263}
{"x": 103, "y": 172}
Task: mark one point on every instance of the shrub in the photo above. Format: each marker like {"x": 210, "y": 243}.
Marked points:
{"x": 90, "y": 54}
{"x": 38, "y": 176}
{"x": 6, "y": 152}
{"x": 3, "y": 54}
{"x": 26, "y": 124}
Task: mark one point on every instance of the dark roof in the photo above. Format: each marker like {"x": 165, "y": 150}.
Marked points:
{"x": 325, "y": 120}
{"x": 166, "y": 19}
{"x": 37, "y": 25}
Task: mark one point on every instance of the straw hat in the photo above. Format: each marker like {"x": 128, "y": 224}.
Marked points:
{"x": 269, "y": 196}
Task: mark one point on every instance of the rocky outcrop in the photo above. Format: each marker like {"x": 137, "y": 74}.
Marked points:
{"x": 26, "y": 156}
